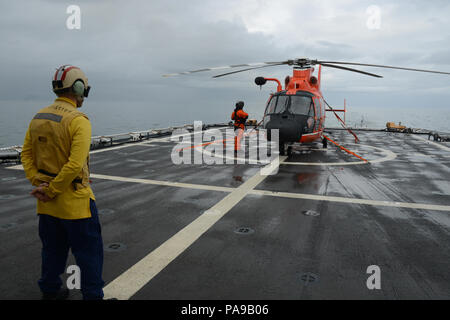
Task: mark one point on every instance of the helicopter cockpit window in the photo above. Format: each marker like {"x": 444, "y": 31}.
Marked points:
{"x": 302, "y": 105}
{"x": 293, "y": 104}
{"x": 271, "y": 106}
{"x": 281, "y": 104}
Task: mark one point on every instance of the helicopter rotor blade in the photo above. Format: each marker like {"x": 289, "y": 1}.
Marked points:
{"x": 247, "y": 69}
{"x": 380, "y": 66}
{"x": 350, "y": 69}
{"x": 256, "y": 64}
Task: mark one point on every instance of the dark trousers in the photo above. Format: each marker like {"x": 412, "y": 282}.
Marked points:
{"x": 84, "y": 238}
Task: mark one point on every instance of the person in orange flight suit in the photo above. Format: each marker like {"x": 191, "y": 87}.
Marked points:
{"x": 239, "y": 117}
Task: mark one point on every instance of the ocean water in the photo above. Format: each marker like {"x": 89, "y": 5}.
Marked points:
{"x": 108, "y": 118}
{"x": 437, "y": 120}
{"x": 119, "y": 118}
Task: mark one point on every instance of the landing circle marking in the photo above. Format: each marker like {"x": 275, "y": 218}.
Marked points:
{"x": 388, "y": 155}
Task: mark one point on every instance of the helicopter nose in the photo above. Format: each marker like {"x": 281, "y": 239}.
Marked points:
{"x": 290, "y": 126}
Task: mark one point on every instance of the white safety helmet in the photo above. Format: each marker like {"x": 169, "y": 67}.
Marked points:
{"x": 70, "y": 78}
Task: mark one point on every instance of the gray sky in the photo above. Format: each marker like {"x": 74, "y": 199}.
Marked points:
{"x": 125, "y": 46}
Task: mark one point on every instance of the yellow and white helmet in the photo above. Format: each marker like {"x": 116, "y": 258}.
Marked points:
{"x": 68, "y": 78}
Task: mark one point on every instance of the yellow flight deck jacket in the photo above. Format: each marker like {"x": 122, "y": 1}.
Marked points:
{"x": 56, "y": 150}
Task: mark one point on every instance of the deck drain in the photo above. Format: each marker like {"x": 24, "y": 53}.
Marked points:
{"x": 8, "y": 179}
{"x": 244, "y": 230}
{"x": 309, "y": 277}
{"x": 104, "y": 212}
{"x": 8, "y": 226}
{"x": 311, "y": 213}
{"x": 7, "y": 196}
{"x": 115, "y": 247}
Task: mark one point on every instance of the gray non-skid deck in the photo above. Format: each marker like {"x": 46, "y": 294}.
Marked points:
{"x": 393, "y": 213}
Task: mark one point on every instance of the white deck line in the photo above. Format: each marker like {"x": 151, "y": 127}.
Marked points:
{"x": 136, "y": 277}
{"x": 376, "y": 203}
{"x": 388, "y": 156}
{"x": 293, "y": 195}
{"x": 18, "y": 167}
{"x": 164, "y": 183}
{"x": 431, "y": 142}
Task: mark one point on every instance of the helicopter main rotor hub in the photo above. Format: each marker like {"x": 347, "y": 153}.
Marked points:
{"x": 302, "y": 63}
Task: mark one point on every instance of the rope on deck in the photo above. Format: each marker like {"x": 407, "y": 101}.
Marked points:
{"x": 345, "y": 149}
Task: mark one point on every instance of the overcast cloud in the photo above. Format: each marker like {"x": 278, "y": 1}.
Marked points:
{"x": 125, "y": 46}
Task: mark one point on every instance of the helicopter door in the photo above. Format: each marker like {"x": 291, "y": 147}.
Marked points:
{"x": 271, "y": 105}
{"x": 320, "y": 113}
{"x": 317, "y": 113}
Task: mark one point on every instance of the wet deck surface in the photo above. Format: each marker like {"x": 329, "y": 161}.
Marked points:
{"x": 393, "y": 213}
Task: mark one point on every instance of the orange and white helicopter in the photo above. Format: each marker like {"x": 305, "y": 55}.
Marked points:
{"x": 298, "y": 110}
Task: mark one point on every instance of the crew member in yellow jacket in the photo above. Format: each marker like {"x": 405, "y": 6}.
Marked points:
{"x": 55, "y": 157}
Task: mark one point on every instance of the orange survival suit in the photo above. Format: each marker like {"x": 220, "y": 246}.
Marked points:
{"x": 239, "y": 117}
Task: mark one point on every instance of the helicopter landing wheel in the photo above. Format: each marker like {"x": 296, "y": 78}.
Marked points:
{"x": 289, "y": 151}
{"x": 282, "y": 149}
{"x": 324, "y": 143}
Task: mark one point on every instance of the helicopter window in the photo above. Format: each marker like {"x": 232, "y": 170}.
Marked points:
{"x": 271, "y": 105}
{"x": 281, "y": 104}
{"x": 302, "y": 105}
{"x": 320, "y": 105}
